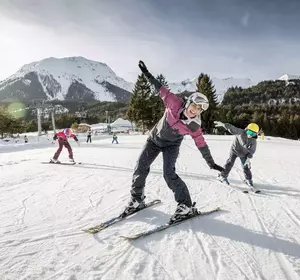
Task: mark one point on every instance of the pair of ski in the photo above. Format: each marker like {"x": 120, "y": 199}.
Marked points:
{"x": 98, "y": 228}
{"x": 251, "y": 188}
{"x": 61, "y": 163}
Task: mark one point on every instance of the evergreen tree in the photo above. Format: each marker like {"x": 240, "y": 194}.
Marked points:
{"x": 139, "y": 109}
{"x": 31, "y": 126}
{"x": 66, "y": 120}
{"x": 9, "y": 124}
{"x": 296, "y": 122}
{"x": 257, "y": 117}
{"x": 205, "y": 86}
{"x": 4, "y": 121}
{"x": 16, "y": 126}
{"x": 158, "y": 106}
{"x": 75, "y": 126}
{"x": 274, "y": 105}
{"x": 293, "y": 133}
{"x": 266, "y": 124}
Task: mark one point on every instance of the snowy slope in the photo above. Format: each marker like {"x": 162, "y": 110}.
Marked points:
{"x": 57, "y": 75}
{"x": 221, "y": 85}
{"x": 44, "y": 208}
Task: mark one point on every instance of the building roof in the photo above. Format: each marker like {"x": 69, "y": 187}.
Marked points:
{"x": 121, "y": 123}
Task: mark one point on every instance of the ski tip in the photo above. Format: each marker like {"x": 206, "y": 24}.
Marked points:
{"x": 127, "y": 237}
{"x": 91, "y": 231}
{"x": 154, "y": 200}
{"x": 214, "y": 210}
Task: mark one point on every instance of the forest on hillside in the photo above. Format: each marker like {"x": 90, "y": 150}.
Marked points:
{"x": 273, "y": 105}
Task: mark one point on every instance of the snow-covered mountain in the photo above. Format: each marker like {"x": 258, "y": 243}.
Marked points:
{"x": 65, "y": 78}
{"x": 221, "y": 85}
{"x": 77, "y": 78}
{"x": 287, "y": 77}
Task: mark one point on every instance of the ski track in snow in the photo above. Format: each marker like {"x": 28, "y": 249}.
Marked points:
{"x": 44, "y": 208}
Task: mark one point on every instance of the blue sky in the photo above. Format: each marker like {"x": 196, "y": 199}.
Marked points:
{"x": 255, "y": 39}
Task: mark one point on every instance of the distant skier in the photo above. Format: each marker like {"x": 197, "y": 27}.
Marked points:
{"x": 180, "y": 118}
{"x": 244, "y": 147}
{"x": 115, "y": 138}
{"x": 62, "y": 137}
{"x": 89, "y": 136}
{"x": 25, "y": 139}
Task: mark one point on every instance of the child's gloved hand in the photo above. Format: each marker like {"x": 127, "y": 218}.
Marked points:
{"x": 218, "y": 124}
{"x": 247, "y": 163}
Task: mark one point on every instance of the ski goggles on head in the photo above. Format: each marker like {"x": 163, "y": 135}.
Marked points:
{"x": 251, "y": 133}
{"x": 203, "y": 106}
{"x": 199, "y": 100}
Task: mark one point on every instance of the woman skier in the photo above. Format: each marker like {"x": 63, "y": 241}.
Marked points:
{"x": 244, "y": 147}
{"x": 180, "y": 118}
{"x": 62, "y": 137}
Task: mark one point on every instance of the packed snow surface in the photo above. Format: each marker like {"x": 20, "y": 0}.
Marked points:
{"x": 44, "y": 207}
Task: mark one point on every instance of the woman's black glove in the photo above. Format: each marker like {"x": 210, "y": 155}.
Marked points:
{"x": 143, "y": 67}
{"x": 150, "y": 77}
{"x": 217, "y": 167}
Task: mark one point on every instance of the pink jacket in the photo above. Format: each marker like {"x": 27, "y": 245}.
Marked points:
{"x": 170, "y": 129}
{"x": 64, "y": 137}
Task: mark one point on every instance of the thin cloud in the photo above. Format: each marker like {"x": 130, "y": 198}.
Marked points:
{"x": 176, "y": 38}
{"x": 245, "y": 19}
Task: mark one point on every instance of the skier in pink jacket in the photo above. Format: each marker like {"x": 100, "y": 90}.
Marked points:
{"x": 180, "y": 118}
{"x": 62, "y": 137}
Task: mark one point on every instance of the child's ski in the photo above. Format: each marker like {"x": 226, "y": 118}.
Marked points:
{"x": 243, "y": 190}
{"x": 252, "y": 188}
